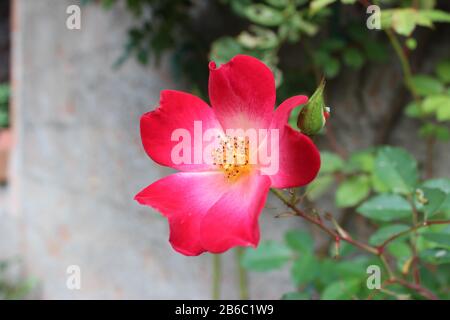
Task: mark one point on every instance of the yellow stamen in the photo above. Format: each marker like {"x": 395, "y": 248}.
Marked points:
{"x": 232, "y": 156}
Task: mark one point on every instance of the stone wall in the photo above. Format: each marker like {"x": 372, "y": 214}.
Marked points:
{"x": 79, "y": 162}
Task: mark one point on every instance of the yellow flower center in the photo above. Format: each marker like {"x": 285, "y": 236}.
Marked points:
{"x": 232, "y": 156}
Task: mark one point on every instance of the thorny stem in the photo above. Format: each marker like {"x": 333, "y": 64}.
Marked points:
{"x": 387, "y": 267}
{"x": 413, "y": 228}
{"x": 415, "y": 258}
{"x": 217, "y": 275}
{"x": 243, "y": 282}
{"x": 415, "y": 287}
{"x": 319, "y": 223}
{"x": 378, "y": 251}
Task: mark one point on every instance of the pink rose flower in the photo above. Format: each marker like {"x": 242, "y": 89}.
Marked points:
{"x": 213, "y": 206}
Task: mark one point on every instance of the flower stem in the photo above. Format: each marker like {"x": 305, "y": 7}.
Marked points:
{"x": 413, "y": 228}
{"x": 217, "y": 275}
{"x": 318, "y": 222}
{"x": 378, "y": 251}
{"x": 424, "y": 292}
{"x": 243, "y": 280}
{"x": 406, "y": 68}
{"x": 387, "y": 267}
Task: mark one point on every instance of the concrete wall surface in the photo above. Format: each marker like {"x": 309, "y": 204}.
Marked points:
{"x": 79, "y": 162}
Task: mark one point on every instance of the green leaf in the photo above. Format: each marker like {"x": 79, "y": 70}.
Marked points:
{"x": 376, "y": 51}
{"x": 414, "y": 110}
{"x": 442, "y": 184}
{"x": 352, "y": 191}
{"x": 4, "y": 94}
{"x": 332, "y": 44}
{"x": 4, "y": 114}
{"x": 223, "y": 49}
{"x": 436, "y": 15}
{"x": 443, "y": 112}
{"x": 440, "y": 104}
{"x": 263, "y": 15}
{"x": 433, "y": 103}
{"x": 304, "y": 270}
{"x": 341, "y": 290}
{"x": 278, "y": 3}
{"x": 385, "y": 233}
{"x": 258, "y": 38}
{"x": 404, "y": 21}
{"x": 411, "y": 43}
{"x": 437, "y": 237}
{"x": 331, "y": 67}
{"x": 317, "y": 5}
{"x": 435, "y": 201}
{"x": 426, "y": 85}
{"x": 4, "y": 119}
{"x": 399, "y": 249}
{"x": 396, "y": 169}
{"x": 239, "y": 6}
{"x": 361, "y": 161}
{"x": 385, "y": 207}
{"x": 433, "y": 130}
{"x": 331, "y": 162}
{"x": 435, "y": 256}
{"x": 355, "y": 268}
{"x": 319, "y": 186}
{"x": 378, "y": 185}
{"x": 402, "y": 252}
{"x": 300, "y": 241}
{"x": 353, "y": 58}
{"x": 300, "y": 2}
{"x": 423, "y": 20}
{"x": 443, "y": 71}
{"x": 268, "y": 256}
{"x": 299, "y": 23}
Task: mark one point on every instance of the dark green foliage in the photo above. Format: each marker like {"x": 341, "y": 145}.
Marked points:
{"x": 4, "y": 105}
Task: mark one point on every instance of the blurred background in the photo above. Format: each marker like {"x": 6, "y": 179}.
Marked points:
{"x": 71, "y": 158}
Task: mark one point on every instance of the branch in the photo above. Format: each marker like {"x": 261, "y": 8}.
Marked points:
{"x": 319, "y": 223}
{"x": 406, "y": 68}
{"x": 379, "y": 251}
{"x": 217, "y": 274}
{"x": 424, "y": 292}
{"x": 413, "y": 228}
{"x": 243, "y": 281}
